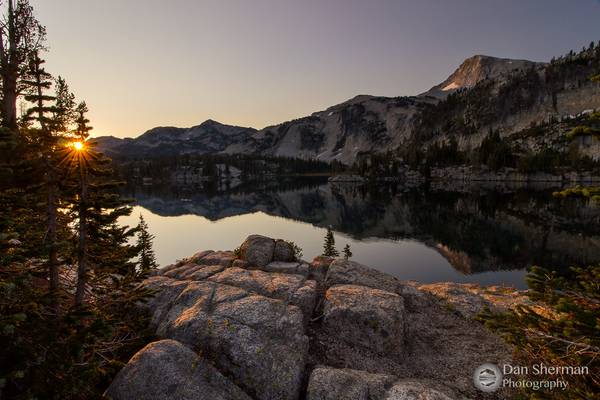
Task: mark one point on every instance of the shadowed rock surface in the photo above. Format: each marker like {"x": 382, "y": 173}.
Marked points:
{"x": 169, "y": 370}
{"x": 275, "y": 329}
{"x": 365, "y": 317}
{"x": 347, "y": 384}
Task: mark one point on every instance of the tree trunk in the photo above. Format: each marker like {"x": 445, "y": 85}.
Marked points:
{"x": 9, "y": 100}
{"x": 51, "y": 215}
{"x": 82, "y": 244}
{"x": 10, "y": 72}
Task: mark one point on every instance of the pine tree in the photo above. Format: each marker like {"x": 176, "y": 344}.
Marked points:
{"x": 103, "y": 252}
{"x": 46, "y": 141}
{"x": 329, "y": 249}
{"x": 347, "y": 252}
{"x": 64, "y": 112}
{"x": 80, "y": 157}
{"x": 147, "y": 259}
{"x": 52, "y": 349}
{"x": 21, "y": 38}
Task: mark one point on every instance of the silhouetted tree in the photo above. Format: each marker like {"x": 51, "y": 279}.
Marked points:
{"x": 347, "y": 252}
{"x": 51, "y": 214}
{"x": 21, "y": 38}
{"x": 45, "y": 140}
{"x": 81, "y": 157}
{"x": 147, "y": 259}
{"x": 495, "y": 152}
{"x": 64, "y": 107}
{"x": 329, "y": 249}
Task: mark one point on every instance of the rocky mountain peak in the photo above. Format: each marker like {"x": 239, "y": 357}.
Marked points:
{"x": 477, "y": 68}
{"x": 211, "y": 122}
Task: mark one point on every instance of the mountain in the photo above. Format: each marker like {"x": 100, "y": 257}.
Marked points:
{"x": 360, "y": 125}
{"x": 504, "y": 95}
{"x": 499, "y": 94}
{"x": 208, "y": 137}
{"x": 477, "y": 68}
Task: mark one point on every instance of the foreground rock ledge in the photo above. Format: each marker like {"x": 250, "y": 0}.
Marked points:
{"x": 258, "y": 324}
{"x": 169, "y": 370}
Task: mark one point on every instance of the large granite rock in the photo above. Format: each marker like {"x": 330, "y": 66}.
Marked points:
{"x": 200, "y": 265}
{"x": 168, "y": 370}
{"x": 224, "y": 258}
{"x": 193, "y": 271}
{"x": 283, "y": 251}
{"x": 257, "y": 340}
{"x": 328, "y": 383}
{"x": 414, "y": 390}
{"x": 257, "y": 250}
{"x": 365, "y": 317}
{"x": 346, "y": 384}
{"x": 291, "y": 288}
{"x": 345, "y": 272}
{"x": 295, "y": 267}
{"x": 251, "y": 315}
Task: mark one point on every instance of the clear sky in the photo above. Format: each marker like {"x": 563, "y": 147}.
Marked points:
{"x": 146, "y": 63}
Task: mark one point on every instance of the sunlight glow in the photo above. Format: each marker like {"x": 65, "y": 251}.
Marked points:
{"x": 79, "y": 146}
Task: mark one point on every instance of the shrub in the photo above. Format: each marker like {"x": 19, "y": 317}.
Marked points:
{"x": 297, "y": 250}
{"x": 237, "y": 252}
{"x": 565, "y": 333}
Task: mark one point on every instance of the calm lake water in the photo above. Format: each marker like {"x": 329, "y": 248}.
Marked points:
{"x": 428, "y": 234}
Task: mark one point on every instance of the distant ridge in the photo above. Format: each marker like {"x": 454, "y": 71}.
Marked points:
{"x": 208, "y": 137}
{"x": 374, "y": 124}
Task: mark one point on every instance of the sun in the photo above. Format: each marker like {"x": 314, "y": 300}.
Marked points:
{"x": 76, "y": 153}
{"x": 79, "y": 146}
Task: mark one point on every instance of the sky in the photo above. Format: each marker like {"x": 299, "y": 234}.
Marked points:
{"x": 145, "y": 63}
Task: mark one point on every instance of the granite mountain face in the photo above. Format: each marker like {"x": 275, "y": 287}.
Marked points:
{"x": 488, "y": 93}
{"x": 477, "y": 68}
{"x": 360, "y": 125}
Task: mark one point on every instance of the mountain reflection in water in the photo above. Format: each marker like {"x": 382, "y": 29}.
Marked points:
{"x": 430, "y": 234}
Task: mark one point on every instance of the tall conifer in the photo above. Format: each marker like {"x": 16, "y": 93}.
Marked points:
{"x": 45, "y": 140}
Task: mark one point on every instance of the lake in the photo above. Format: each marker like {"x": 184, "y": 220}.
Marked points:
{"x": 480, "y": 234}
